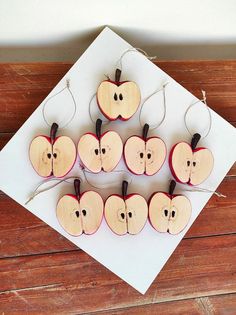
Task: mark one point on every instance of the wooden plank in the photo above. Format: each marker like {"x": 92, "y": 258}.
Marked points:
{"x": 184, "y": 307}
{"x": 32, "y": 69}
{"x": 24, "y": 86}
{"x": 219, "y": 213}
{"x": 4, "y": 138}
{"x": 217, "y": 305}
{"x": 68, "y": 280}
{"x": 22, "y": 233}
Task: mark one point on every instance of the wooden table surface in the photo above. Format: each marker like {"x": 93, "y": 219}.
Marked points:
{"x": 42, "y": 272}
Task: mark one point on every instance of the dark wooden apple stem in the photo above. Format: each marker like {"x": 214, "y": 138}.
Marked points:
{"x": 124, "y": 188}
{"x": 145, "y": 131}
{"x": 195, "y": 139}
{"x": 98, "y": 127}
{"x": 172, "y": 187}
{"x": 53, "y": 132}
{"x": 77, "y": 188}
{"x": 117, "y": 75}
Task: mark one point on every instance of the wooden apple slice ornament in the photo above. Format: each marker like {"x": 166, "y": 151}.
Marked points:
{"x": 189, "y": 164}
{"x": 126, "y": 213}
{"x": 168, "y": 212}
{"x": 80, "y": 213}
{"x": 100, "y": 152}
{"x": 144, "y": 155}
{"x": 52, "y": 156}
{"x": 118, "y": 99}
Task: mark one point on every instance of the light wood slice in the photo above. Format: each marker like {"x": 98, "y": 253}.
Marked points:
{"x": 155, "y": 155}
{"x": 118, "y": 100}
{"x": 100, "y": 155}
{"x": 40, "y": 154}
{"x": 69, "y": 215}
{"x": 202, "y": 165}
{"x": 189, "y": 166}
{"x": 111, "y": 148}
{"x": 136, "y": 212}
{"x": 126, "y": 216}
{"x": 115, "y": 214}
{"x": 159, "y": 207}
{"x": 134, "y": 153}
{"x": 181, "y": 159}
{"x": 83, "y": 216}
{"x": 91, "y": 205}
{"x": 169, "y": 214}
{"x": 89, "y": 152}
{"x": 144, "y": 157}
{"x": 64, "y": 156}
{"x": 180, "y": 213}
{"x": 57, "y": 159}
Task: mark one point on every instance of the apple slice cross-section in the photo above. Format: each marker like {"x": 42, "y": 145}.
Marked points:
{"x": 52, "y": 155}
{"x": 118, "y": 99}
{"x": 126, "y": 213}
{"x": 169, "y": 213}
{"x": 189, "y": 164}
{"x": 80, "y": 213}
{"x": 100, "y": 152}
{"x": 144, "y": 155}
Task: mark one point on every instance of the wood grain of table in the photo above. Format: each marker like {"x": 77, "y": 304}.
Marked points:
{"x": 43, "y": 273}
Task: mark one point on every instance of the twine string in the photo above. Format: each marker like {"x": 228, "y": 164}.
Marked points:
{"x": 133, "y": 49}
{"x": 103, "y": 186}
{"x": 105, "y": 122}
{"x": 209, "y": 113}
{"x": 164, "y": 105}
{"x": 74, "y": 103}
{"x": 199, "y": 189}
{"x": 36, "y": 192}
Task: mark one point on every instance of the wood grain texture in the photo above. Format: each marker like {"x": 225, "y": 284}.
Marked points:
{"x": 213, "y": 305}
{"x": 61, "y": 278}
{"x": 22, "y": 233}
{"x": 43, "y": 273}
{"x": 24, "y": 86}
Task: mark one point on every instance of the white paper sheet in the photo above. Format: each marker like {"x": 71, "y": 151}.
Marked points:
{"x": 136, "y": 259}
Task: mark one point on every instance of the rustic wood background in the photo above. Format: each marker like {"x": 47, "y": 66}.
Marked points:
{"x": 42, "y": 272}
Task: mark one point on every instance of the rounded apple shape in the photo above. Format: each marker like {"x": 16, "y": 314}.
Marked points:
{"x": 52, "y": 155}
{"x": 189, "y": 164}
{"x": 100, "y": 152}
{"x": 80, "y": 213}
{"x": 144, "y": 155}
{"x": 118, "y": 100}
{"x": 169, "y": 213}
{"x": 127, "y": 213}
